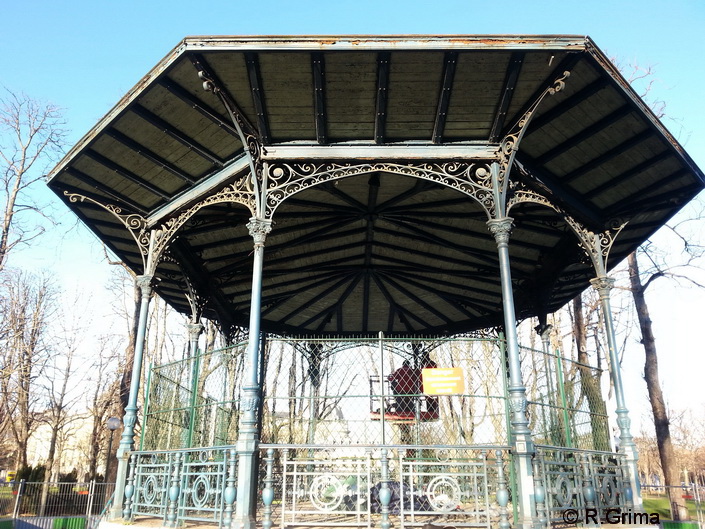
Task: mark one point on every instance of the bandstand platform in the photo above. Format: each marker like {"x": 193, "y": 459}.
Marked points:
{"x": 345, "y": 206}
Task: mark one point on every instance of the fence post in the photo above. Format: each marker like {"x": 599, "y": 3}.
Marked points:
{"x": 174, "y": 492}
{"x": 20, "y": 490}
{"x": 502, "y": 492}
{"x": 385, "y": 495}
{"x": 91, "y": 493}
{"x": 268, "y": 491}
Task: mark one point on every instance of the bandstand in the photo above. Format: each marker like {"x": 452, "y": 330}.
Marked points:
{"x": 357, "y": 203}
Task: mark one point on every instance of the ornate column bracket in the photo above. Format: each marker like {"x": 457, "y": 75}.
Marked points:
{"x": 509, "y": 145}
{"x": 197, "y": 304}
{"x": 154, "y": 242}
{"x": 135, "y": 223}
{"x": 249, "y": 136}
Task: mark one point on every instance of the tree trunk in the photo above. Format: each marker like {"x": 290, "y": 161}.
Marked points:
{"x": 653, "y": 385}
{"x": 589, "y": 384}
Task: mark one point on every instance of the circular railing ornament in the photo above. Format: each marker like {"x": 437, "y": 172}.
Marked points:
{"x": 443, "y": 492}
{"x": 326, "y": 492}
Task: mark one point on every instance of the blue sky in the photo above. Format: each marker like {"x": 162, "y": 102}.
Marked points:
{"x": 85, "y": 55}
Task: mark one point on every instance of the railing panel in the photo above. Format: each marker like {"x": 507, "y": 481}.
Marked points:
{"x": 448, "y": 486}
{"x": 582, "y": 480}
{"x": 203, "y": 482}
{"x": 152, "y": 475}
{"x": 321, "y": 487}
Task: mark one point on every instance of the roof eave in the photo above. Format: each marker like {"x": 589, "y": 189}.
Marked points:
{"x": 120, "y": 107}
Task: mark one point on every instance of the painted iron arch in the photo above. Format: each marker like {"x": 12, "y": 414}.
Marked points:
{"x": 470, "y": 178}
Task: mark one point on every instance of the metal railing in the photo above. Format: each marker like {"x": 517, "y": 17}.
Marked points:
{"x": 582, "y": 481}
{"x": 40, "y": 503}
{"x": 327, "y": 486}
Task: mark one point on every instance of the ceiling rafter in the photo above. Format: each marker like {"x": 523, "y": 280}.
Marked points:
{"x": 318, "y": 70}
{"x": 563, "y": 196}
{"x": 413, "y": 297}
{"x": 205, "y": 285}
{"x": 658, "y": 201}
{"x": 104, "y": 190}
{"x": 607, "y": 156}
{"x": 383, "y": 64}
{"x": 124, "y": 173}
{"x": 315, "y": 299}
{"x": 199, "y": 106}
{"x": 566, "y": 65}
{"x": 511, "y": 79}
{"x": 491, "y": 256}
{"x": 311, "y": 283}
{"x": 450, "y": 60}
{"x": 414, "y": 234}
{"x": 397, "y": 309}
{"x": 149, "y": 155}
{"x": 337, "y": 306}
{"x": 255, "y": 79}
{"x": 637, "y": 170}
{"x": 561, "y": 108}
{"x": 588, "y": 132}
{"x": 459, "y": 300}
{"x": 177, "y": 135}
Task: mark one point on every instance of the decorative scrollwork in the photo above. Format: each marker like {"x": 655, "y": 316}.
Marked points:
{"x": 509, "y": 145}
{"x": 135, "y": 223}
{"x": 287, "y": 179}
{"x": 239, "y": 192}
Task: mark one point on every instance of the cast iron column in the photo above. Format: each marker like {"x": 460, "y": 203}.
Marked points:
{"x": 248, "y": 438}
{"x": 144, "y": 283}
{"x": 194, "y": 331}
{"x": 521, "y": 442}
{"x": 603, "y": 285}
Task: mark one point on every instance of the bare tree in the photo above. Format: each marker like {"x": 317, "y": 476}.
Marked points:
{"x": 32, "y": 136}
{"x": 28, "y": 305}
{"x": 103, "y": 400}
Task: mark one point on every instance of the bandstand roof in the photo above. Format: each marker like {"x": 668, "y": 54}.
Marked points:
{"x": 382, "y": 250}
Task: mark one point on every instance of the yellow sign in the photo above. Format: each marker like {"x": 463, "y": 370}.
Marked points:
{"x": 443, "y": 381}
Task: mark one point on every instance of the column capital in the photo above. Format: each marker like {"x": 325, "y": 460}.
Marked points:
{"x": 501, "y": 229}
{"x": 194, "y": 330}
{"x": 259, "y": 229}
{"x": 603, "y": 285}
{"x": 144, "y": 283}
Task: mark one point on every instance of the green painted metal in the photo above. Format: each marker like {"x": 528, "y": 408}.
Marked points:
{"x": 146, "y": 403}
{"x": 195, "y": 366}
{"x": 564, "y": 402}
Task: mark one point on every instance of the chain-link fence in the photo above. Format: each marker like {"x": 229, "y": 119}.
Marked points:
{"x": 368, "y": 391}
{"x": 566, "y": 404}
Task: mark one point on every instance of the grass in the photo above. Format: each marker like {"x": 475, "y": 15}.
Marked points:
{"x": 660, "y": 506}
